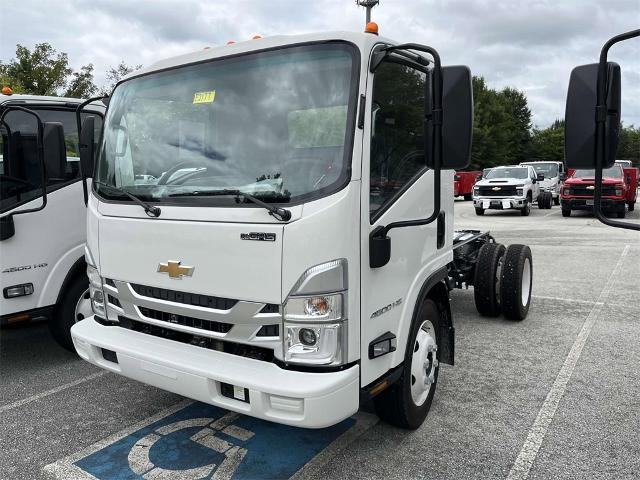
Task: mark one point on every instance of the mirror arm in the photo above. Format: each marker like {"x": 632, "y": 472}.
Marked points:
{"x": 435, "y": 118}
{"x": 601, "y": 116}
{"x": 79, "y": 108}
{"x": 40, "y": 153}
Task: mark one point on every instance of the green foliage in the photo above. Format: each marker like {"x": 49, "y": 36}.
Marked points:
{"x": 629, "y": 144}
{"x": 502, "y": 123}
{"x": 115, "y": 74}
{"x": 548, "y": 143}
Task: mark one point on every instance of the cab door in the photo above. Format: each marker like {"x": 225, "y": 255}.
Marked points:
{"x": 396, "y": 185}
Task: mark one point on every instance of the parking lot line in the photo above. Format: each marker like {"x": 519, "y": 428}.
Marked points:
{"x": 562, "y": 299}
{"x": 38, "y": 396}
{"x": 522, "y": 466}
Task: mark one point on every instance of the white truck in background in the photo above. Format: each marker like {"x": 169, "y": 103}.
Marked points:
{"x": 42, "y": 213}
{"x": 554, "y": 175}
{"x": 270, "y": 228}
{"x": 510, "y": 188}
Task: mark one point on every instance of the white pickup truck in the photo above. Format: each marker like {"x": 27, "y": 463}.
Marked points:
{"x": 512, "y": 187}
{"x": 554, "y": 175}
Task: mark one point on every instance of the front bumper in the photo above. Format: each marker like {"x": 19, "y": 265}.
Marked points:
{"x": 608, "y": 204}
{"x": 499, "y": 203}
{"x": 310, "y": 400}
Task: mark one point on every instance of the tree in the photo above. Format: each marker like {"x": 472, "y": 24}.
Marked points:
{"x": 548, "y": 143}
{"x": 45, "y": 71}
{"x": 115, "y": 74}
{"x": 629, "y": 144}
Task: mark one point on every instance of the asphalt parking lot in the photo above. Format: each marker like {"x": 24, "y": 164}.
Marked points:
{"x": 555, "y": 396}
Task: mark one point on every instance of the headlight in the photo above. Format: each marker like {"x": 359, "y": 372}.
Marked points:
{"x": 566, "y": 191}
{"x": 519, "y": 191}
{"x": 618, "y": 192}
{"x": 315, "y": 324}
{"x": 95, "y": 291}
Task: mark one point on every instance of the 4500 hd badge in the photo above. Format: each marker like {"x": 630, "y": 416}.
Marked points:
{"x": 24, "y": 267}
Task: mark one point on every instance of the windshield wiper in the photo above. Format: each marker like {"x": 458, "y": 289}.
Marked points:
{"x": 150, "y": 210}
{"x": 281, "y": 214}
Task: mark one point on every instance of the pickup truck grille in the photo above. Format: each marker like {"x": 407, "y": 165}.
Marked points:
{"x": 583, "y": 191}
{"x": 186, "y": 298}
{"x": 504, "y": 191}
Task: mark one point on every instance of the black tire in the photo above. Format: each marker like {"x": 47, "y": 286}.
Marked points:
{"x": 566, "y": 212}
{"x": 485, "y": 278}
{"x": 512, "y": 277}
{"x": 621, "y": 213}
{"x": 556, "y": 200}
{"x": 468, "y": 197}
{"x": 632, "y": 206}
{"x": 526, "y": 208}
{"x": 64, "y": 317}
{"x": 542, "y": 200}
{"x": 395, "y": 405}
{"x": 479, "y": 211}
{"x": 549, "y": 200}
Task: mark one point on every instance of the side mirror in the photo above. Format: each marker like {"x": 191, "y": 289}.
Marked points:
{"x": 580, "y": 116}
{"x": 540, "y": 177}
{"x": 55, "y": 151}
{"x": 478, "y": 177}
{"x": 87, "y": 135}
{"x": 457, "y": 118}
{"x": 562, "y": 176}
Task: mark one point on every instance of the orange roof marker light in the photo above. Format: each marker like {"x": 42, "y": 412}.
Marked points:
{"x": 207, "y": 48}
{"x": 256, "y": 37}
{"x": 231, "y": 42}
{"x": 372, "y": 27}
{"x": 7, "y": 91}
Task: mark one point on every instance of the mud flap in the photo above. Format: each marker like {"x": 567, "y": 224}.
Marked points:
{"x": 447, "y": 344}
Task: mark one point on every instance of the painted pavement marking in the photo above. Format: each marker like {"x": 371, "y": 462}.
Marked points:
{"x": 192, "y": 440}
{"x": 522, "y": 466}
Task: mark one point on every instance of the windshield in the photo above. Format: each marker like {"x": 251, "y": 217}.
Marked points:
{"x": 516, "y": 172}
{"x": 276, "y": 125}
{"x": 611, "y": 172}
{"x": 549, "y": 170}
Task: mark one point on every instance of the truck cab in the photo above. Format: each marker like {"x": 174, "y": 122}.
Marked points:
{"x": 553, "y": 173}
{"x": 265, "y": 232}
{"x": 42, "y": 269}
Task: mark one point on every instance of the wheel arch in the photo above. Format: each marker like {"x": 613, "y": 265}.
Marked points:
{"x": 78, "y": 267}
{"x": 435, "y": 288}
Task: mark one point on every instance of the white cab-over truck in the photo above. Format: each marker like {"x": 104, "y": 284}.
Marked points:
{"x": 553, "y": 174}
{"x": 510, "y": 188}
{"x": 42, "y": 213}
{"x": 266, "y": 233}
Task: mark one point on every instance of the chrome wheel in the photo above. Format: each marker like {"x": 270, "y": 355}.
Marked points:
{"x": 83, "y": 307}
{"x": 424, "y": 363}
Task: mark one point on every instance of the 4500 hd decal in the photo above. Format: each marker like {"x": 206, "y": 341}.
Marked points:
{"x": 24, "y": 267}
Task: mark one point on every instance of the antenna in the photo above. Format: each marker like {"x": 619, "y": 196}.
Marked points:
{"x": 368, "y": 4}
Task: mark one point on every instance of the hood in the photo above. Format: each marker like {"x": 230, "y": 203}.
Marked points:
{"x": 500, "y": 181}
{"x": 132, "y": 250}
{"x": 591, "y": 181}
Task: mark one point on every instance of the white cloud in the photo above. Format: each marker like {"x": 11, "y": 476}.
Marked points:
{"x": 527, "y": 44}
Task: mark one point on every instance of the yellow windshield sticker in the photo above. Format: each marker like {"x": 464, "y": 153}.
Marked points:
{"x": 204, "y": 97}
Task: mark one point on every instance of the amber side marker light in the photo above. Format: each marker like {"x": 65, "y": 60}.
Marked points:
{"x": 7, "y": 91}
{"x": 231, "y": 42}
{"x": 256, "y": 37}
{"x": 372, "y": 27}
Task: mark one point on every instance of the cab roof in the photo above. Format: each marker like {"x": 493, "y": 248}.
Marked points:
{"x": 43, "y": 100}
{"x": 364, "y": 42}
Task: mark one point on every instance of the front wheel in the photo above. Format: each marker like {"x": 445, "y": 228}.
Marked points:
{"x": 566, "y": 212}
{"x": 75, "y": 306}
{"x": 526, "y": 209}
{"x": 407, "y": 402}
{"x": 479, "y": 211}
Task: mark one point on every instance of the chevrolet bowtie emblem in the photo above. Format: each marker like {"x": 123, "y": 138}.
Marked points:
{"x": 495, "y": 189}
{"x": 591, "y": 187}
{"x": 175, "y": 270}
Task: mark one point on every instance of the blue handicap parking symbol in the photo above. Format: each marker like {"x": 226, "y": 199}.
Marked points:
{"x": 201, "y": 441}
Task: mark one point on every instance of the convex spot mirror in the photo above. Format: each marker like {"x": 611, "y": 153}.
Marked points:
{"x": 580, "y": 116}
{"x": 55, "y": 152}
{"x": 457, "y": 118}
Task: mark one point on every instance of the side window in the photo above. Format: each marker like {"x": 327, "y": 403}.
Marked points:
{"x": 397, "y": 155}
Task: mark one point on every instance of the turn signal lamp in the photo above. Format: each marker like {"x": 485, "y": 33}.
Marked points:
{"x": 256, "y": 37}
{"x": 231, "y": 42}
{"x": 372, "y": 27}
{"x": 7, "y": 91}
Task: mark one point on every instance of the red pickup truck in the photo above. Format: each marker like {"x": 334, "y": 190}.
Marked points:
{"x": 463, "y": 183}
{"x": 619, "y": 190}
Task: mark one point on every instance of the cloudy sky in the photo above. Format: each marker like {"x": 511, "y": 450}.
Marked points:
{"x": 527, "y": 44}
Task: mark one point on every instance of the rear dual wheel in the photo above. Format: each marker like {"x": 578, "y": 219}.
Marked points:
{"x": 545, "y": 200}
{"x": 503, "y": 281}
